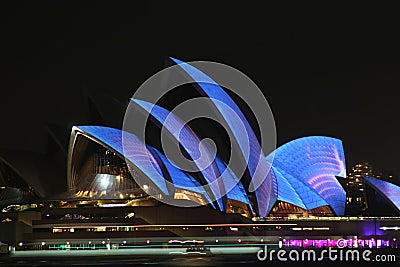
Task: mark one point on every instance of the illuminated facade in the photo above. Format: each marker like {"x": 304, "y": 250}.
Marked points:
{"x": 299, "y": 181}
{"x": 383, "y": 197}
{"x": 295, "y": 199}
{"x": 257, "y": 166}
{"x": 100, "y": 171}
{"x": 227, "y": 181}
{"x": 199, "y": 153}
{"x": 314, "y": 163}
{"x": 305, "y": 187}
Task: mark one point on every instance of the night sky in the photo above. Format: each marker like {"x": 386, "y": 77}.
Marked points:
{"x": 324, "y": 70}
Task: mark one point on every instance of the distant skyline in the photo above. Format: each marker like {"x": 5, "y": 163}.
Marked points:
{"x": 324, "y": 71}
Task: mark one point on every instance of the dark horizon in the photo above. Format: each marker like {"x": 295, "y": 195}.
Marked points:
{"x": 317, "y": 67}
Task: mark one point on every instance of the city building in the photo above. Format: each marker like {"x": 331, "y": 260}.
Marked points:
{"x": 355, "y": 188}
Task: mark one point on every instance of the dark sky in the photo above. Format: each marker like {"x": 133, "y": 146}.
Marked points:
{"x": 325, "y": 70}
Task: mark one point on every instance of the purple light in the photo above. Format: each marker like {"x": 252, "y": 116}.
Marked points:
{"x": 315, "y": 161}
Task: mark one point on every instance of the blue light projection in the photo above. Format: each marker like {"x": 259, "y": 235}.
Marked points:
{"x": 294, "y": 191}
{"x": 191, "y": 143}
{"x": 315, "y": 161}
{"x": 113, "y": 138}
{"x": 133, "y": 151}
{"x": 304, "y": 169}
{"x": 181, "y": 179}
{"x": 232, "y": 184}
{"x": 388, "y": 191}
{"x": 257, "y": 166}
{"x": 302, "y": 172}
{"x": 286, "y": 192}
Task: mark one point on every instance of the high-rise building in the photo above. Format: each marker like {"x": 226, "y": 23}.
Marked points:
{"x": 356, "y": 200}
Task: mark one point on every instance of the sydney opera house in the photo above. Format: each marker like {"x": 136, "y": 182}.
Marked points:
{"x": 121, "y": 190}
{"x": 306, "y": 187}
